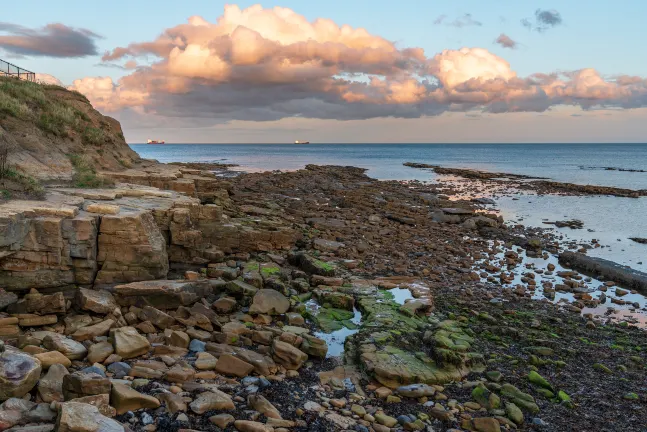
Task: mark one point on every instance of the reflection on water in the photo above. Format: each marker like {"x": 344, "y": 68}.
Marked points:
{"x": 337, "y": 338}
{"x": 634, "y": 310}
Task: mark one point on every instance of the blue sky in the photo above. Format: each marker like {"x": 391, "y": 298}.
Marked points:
{"x": 602, "y": 35}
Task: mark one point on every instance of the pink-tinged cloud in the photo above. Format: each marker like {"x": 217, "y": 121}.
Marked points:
{"x": 506, "y": 41}
{"x": 267, "y": 64}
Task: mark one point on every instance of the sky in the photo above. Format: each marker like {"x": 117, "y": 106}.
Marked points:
{"x": 346, "y": 71}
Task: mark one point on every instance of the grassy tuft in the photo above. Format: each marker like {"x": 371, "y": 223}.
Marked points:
{"x": 28, "y": 185}
{"x": 85, "y": 175}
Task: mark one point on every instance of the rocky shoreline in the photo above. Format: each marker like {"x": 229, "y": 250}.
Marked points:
{"x": 183, "y": 300}
{"x": 535, "y": 184}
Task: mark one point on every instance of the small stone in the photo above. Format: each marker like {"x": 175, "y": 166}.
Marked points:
{"x": 205, "y": 361}
{"x": 98, "y": 352}
{"x": 126, "y": 399}
{"x": 222, "y": 420}
{"x": 212, "y": 400}
{"x": 229, "y": 365}
{"x": 50, "y": 358}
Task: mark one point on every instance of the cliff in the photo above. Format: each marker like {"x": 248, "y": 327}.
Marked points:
{"x": 49, "y": 130}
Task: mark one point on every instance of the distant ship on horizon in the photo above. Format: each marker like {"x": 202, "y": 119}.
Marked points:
{"x": 155, "y": 142}
{"x": 302, "y": 142}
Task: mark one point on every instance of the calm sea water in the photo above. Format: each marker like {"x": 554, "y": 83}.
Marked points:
{"x": 612, "y": 220}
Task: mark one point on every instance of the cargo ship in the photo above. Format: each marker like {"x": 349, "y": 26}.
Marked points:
{"x": 155, "y": 142}
{"x": 302, "y": 142}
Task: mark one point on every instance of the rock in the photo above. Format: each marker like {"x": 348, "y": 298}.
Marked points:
{"x": 486, "y": 424}
{"x": 50, "y": 358}
{"x": 263, "y": 406}
{"x": 522, "y": 400}
{"x": 539, "y": 380}
{"x": 128, "y": 343}
{"x": 27, "y": 320}
{"x": 269, "y": 301}
{"x": 126, "y": 399}
{"x": 222, "y": 420}
{"x": 486, "y": 398}
{"x": 70, "y": 348}
{"x": 119, "y": 369}
{"x": 98, "y": 352}
{"x": 92, "y": 331}
{"x": 107, "y": 209}
{"x": 19, "y": 372}
{"x": 15, "y": 411}
{"x": 162, "y": 294}
{"x": 314, "y": 266}
{"x": 97, "y": 301}
{"x": 45, "y": 304}
{"x": 197, "y": 346}
{"x": 158, "y": 318}
{"x": 174, "y": 402}
{"x": 212, "y": 400}
{"x": 416, "y": 391}
{"x": 230, "y": 365}
{"x": 80, "y": 384}
{"x": 252, "y": 426}
{"x": 314, "y": 346}
{"x": 327, "y": 245}
{"x": 290, "y": 357}
{"x": 225, "y": 305}
{"x": 295, "y": 319}
{"x": 50, "y": 386}
{"x": 178, "y": 339}
{"x": 514, "y": 413}
{"x": 205, "y": 361}
{"x": 7, "y": 299}
{"x": 385, "y": 420}
{"x": 82, "y": 417}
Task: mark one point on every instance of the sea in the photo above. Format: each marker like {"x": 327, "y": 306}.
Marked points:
{"x": 608, "y": 219}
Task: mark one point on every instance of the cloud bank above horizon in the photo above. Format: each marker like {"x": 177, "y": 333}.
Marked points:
{"x": 259, "y": 64}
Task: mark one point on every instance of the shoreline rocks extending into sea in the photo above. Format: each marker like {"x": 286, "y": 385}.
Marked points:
{"x": 181, "y": 300}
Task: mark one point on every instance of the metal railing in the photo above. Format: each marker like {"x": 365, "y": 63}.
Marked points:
{"x": 8, "y": 69}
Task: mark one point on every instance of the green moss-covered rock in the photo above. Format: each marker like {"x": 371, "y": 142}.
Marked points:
{"x": 602, "y": 368}
{"x": 514, "y": 413}
{"x": 393, "y": 367}
{"x": 486, "y": 398}
{"x": 539, "y": 380}
{"x": 523, "y": 400}
{"x": 330, "y": 319}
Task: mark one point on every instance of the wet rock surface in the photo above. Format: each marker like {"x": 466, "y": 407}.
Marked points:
{"x": 316, "y": 300}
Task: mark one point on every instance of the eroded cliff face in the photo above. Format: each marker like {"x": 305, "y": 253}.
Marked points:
{"x": 133, "y": 233}
{"x": 44, "y": 126}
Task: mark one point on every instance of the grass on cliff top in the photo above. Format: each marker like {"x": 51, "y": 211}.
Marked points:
{"x": 85, "y": 175}
{"x": 53, "y": 115}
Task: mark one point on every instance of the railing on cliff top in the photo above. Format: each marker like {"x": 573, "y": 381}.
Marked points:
{"x": 8, "y": 69}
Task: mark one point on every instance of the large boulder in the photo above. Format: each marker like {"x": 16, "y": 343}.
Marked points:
{"x": 19, "y": 372}
{"x": 131, "y": 248}
{"x": 270, "y": 302}
{"x": 97, "y": 301}
{"x": 162, "y": 294}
